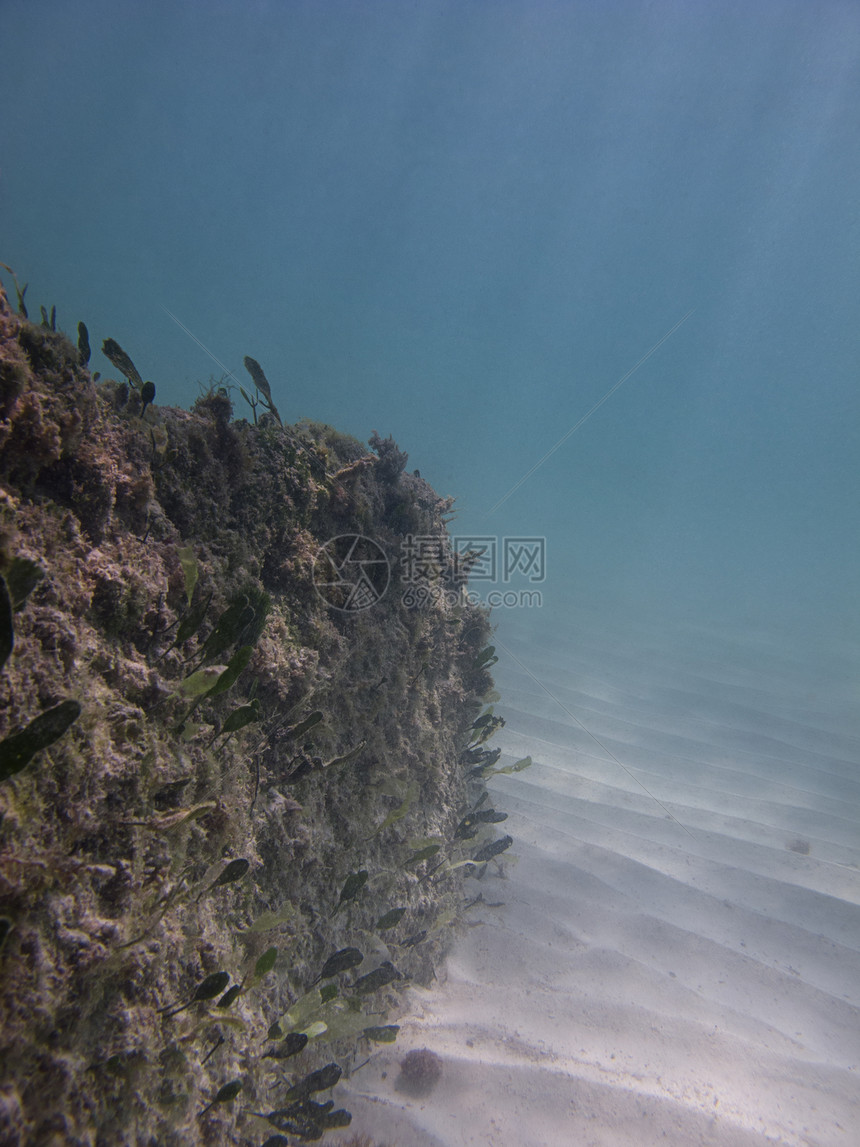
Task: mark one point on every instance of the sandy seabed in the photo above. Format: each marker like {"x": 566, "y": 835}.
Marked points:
{"x": 675, "y": 968}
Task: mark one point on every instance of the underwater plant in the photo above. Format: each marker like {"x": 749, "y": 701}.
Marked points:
{"x": 84, "y": 343}
{"x": 18, "y": 749}
{"x": 113, "y": 351}
{"x": 352, "y": 886}
{"x": 386, "y": 973}
{"x": 208, "y": 989}
{"x": 339, "y": 962}
{"x": 19, "y": 290}
{"x": 155, "y": 851}
{"x": 264, "y": 391}
{"x": 225, "y": 1094}
{"x": 391, "y": 459}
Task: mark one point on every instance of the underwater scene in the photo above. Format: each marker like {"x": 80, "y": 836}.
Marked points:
{"x": 429, "y": 573}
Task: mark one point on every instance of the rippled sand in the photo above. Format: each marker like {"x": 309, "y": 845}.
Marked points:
{"x": 677, "y": 966}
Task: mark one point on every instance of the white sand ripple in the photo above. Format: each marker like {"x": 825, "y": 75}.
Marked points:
{"x": 673, "y": 966}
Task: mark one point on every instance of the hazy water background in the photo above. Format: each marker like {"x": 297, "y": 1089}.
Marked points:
{"x": 462, "y": 223}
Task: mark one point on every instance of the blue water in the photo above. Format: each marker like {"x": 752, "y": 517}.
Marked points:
{"x": 593, "y": 264}
{"x": 462, "y": 223}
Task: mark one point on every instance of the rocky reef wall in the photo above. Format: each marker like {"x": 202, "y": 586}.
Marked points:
{"x": 219, "y": 769}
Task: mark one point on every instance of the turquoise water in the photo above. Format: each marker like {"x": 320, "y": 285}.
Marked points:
{"x": 462, "y": 223}
{"x": 594, "y": 266}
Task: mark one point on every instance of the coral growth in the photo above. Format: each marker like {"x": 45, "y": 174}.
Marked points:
{"x": 420, "y": 1071}
{"x": 241, "y": 749}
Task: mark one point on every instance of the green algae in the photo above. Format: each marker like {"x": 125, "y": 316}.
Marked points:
{"x": 339, "y": 962}
{"x": 18, "y": 749}
{"x": 147, "y": 396}
{"x": 421, "y": 855}
{"x": 264, "y": 391}
{"x": 246, "y": 508}
{"x": 225, "y": 1094}
{"x": 402, "y": 809}
{"x": 270, "y": 920}
{"x": 390, "y": 919}
{"x": 493, "y": 849}
{"x": 386, "y": 1033}
{"x": 305, "y": 726}
{"x": 22, "y": 575}
{"x": 240, "y": 718}
{"x": 114, "y": 352}
{"x": 264, "y": 965}
{"x": 213, "y": 985}
{"x": 516, "y": 767}
{"x": 235, "y": 870}
{"x": 292, "y": 1044}
{"x": 486, "y": 658}
{"x": 351, "y": 888}
{"x": 83, "y": 343}
{"x": 385, "y": 974}
{"x": 229, "y": 996}
{"x": 190, "y": 570}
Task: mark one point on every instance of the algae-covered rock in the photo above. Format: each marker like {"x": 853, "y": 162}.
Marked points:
{"x": 249, "y": 766}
